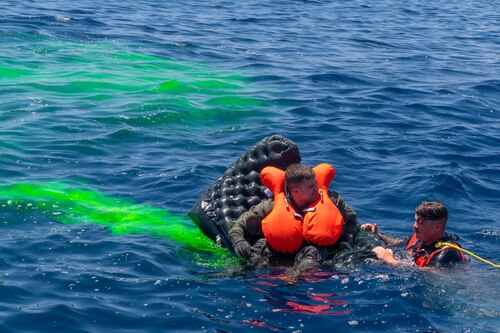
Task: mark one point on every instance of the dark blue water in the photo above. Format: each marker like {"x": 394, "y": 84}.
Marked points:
{"x": 150, "y": 102}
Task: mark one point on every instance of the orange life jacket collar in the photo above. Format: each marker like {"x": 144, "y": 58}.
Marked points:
{"x": 423, "y": 258}
{"x": 285, "y": 229}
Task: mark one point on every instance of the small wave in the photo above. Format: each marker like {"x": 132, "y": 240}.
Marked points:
{"x": 373, "y": 43}
{"x": 336, "y": 77}
{"x": 490, "y": 233}
{"x": 62, "y": 18}
{"x": 258, "y": 65}
{"x": 152, "y": 119}
{"x": 248, "y": 20}
{"x": 491, "y": 86}
{"x": 269, "y": 78}
{"x": 399, "y": 91}
{"x": 416, "y": 58}
{"x": 235, "y": 102}
{"x": 13, "y": 72}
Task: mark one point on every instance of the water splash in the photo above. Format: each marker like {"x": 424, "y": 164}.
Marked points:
{"x": 66, "y": 204}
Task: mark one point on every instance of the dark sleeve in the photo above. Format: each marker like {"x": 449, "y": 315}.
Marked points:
{"x": 351, "y": 225}
{"x": 248, "y": 225}
{"x": 446, "y": 257}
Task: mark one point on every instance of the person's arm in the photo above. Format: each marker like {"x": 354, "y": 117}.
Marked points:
{"x": 248, "y": 222}
{"x": 386, "y": 255}
{"x": 387, "y": 239}
{"x": 352, "y": 229}
{"x": 351, "y": 225}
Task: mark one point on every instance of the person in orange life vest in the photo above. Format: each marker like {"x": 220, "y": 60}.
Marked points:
{"x": 429, "y": 228}
{"x": 301, "y": 192}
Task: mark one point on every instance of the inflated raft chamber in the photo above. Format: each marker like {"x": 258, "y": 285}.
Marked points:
{"x": 240, "y": 188}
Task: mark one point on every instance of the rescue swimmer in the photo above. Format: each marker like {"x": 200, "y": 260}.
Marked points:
{"x": 429, "y": 244}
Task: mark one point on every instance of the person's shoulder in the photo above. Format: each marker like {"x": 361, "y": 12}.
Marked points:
{"x": 447, "y": 256}
{"x": 263, "y": 206}
{"x": 333, "y": 193}
{"x": 335, "y": 196}
{"x": 450, "y": 236}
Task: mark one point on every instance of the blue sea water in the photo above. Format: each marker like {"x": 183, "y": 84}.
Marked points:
{"x": 148, "y": 103}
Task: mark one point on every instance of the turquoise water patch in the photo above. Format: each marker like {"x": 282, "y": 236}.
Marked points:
{"x": 121, "y": 82}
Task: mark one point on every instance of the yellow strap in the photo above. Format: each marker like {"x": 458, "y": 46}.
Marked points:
{"x": 443, "y": 244}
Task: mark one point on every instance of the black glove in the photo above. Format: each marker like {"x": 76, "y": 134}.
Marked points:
{"x": 243, "y": 249}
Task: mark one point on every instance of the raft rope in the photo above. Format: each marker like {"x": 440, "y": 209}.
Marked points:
{"x": 443, "y": 244}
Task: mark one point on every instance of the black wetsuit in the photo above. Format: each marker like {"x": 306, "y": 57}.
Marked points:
{"x": 430, "y": 255}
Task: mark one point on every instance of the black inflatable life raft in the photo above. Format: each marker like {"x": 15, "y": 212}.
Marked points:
{"x": 240, "y": 188}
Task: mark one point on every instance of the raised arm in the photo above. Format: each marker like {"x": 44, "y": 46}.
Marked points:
{"x": 387, "y": 239}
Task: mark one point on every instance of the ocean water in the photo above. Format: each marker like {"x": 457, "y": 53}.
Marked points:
{"x": 115, "y": 115}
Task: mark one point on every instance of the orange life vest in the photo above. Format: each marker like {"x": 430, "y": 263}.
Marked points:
{"x": 285, "y": 229}
{"x": 424, "y": 259}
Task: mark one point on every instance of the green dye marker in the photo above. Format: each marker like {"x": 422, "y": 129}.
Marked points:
{"x": 128, "y": 80}
{"x": 62, "y": 203}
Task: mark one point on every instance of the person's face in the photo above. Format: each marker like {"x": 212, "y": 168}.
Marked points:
{"x": 427, "y": 231}
{"x": 305, "y": 192}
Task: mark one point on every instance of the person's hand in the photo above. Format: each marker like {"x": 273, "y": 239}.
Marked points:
{"x": 243, "y": 249}
{"x": 370, "y": 227}
{"x": 386, "y": 255}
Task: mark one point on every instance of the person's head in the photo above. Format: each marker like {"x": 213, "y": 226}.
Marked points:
{"x": 430, "y": 221}
{"x": 301, "y": 183}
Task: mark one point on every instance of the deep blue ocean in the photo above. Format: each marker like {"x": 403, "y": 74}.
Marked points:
{"x": 116, "y": 115}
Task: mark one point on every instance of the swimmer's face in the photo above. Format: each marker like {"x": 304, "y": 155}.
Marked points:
{"x": 305, "y": 192}
{"x": 427, "y": 231}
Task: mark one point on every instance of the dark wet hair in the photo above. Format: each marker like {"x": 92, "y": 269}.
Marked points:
{"x": 433, "y": 210}
{"x": 297, "y": 173}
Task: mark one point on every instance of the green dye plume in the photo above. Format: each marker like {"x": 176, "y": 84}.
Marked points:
{"x": 125, "y": 81}
{"x": 65, "y": 204}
